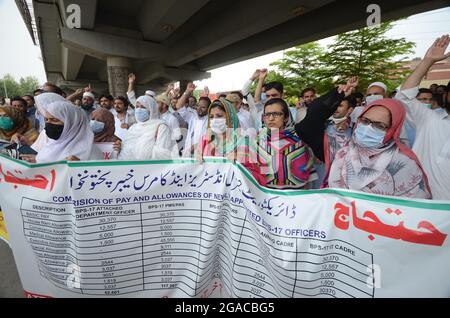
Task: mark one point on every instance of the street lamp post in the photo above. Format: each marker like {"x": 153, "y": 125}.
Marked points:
{"x": 6, "y": 91}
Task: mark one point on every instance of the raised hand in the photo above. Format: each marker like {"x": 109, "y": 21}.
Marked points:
{"x": 353, "y": 82}
{"x": 256, "y": 75}
{"x": 350, "y": 87}
{"x": 436, "y": 52}
{"x": 263, "y": 74}
{"x": 206, "y": 91}
{"x": 131, "y": 78}
{"x": 190, "y": 87}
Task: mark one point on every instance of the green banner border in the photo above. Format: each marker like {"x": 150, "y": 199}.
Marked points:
{"x": 420, "y": 204}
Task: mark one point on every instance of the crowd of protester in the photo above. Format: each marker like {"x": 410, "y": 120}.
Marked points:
{"x": 394, "y": 144}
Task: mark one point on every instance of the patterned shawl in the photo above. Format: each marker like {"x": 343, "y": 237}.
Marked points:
{"x": 284, "y": 161}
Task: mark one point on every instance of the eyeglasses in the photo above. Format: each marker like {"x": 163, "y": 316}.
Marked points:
{"x": 274, "y": 115}
{"x": 375, "y": 124}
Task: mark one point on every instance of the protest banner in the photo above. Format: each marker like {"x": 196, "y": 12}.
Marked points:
{"x": 181, "y": 229}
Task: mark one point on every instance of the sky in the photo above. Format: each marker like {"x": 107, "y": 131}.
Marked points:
{"x": 19, "y": 56}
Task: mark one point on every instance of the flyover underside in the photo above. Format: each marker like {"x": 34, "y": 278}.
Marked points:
{"x": 163, "y": 41}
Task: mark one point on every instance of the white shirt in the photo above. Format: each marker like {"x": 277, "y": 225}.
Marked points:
{"x": 173, "y": 124}
{"x": 121, "y": 132}
{"x": 256, "y": 109}
{"x": 132, "y": 98}
{"x": 187, "y": 113}
{"x": 432, "y": 144}
{"x": 197, "y": 128}
{"x": 245, "y": 119}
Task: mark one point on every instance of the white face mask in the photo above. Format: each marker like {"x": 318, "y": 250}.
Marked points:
{"x": 373, "y": 98}
{"x": 338, "y": 121}
{"x": 219, "y": 125}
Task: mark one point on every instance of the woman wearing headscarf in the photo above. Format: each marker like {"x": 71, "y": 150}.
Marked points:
{"x": 103, "y": 126}
{"x": 375, "y": 161}
{"x": 42, "y": 100}
{"x": 69, "y": 134}
{"x": 14, "y": 125}
{"x": 283, "y": 159}
{"x": 223, "y": 138}
{"x": 150, "y": 138}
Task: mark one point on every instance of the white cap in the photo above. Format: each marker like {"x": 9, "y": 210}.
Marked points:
{"x": 89, "y": 94}
{"x": 150, "y": 93}
{"x": 379, "y": 84}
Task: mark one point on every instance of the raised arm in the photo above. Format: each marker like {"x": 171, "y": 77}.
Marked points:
{"x": 78, "y": 93}
{"x": 248, "y": 84}
{"x": 416, "y": 114}
{"x": 182, "y": 101}
{"x": 434, "y": 54}
{"x": 312, "y": 129}
{"x": 262, "y": 78}
{"x": 131, "y": 93}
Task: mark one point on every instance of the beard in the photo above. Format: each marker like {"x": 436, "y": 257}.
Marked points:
{"x": 87, "y": 107}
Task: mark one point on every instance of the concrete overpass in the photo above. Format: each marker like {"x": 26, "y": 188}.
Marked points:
{"x": 168, "y": 40}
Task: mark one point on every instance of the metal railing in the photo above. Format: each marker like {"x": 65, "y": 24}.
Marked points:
{"x": 26, "y": 10}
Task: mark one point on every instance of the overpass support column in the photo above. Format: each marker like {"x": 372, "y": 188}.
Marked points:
{"x": 118, "y": 70}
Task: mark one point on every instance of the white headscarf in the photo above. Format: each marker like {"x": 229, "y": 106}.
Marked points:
{"x": 40, "y": 100}
{"x": 148, "y": 140}
{"x": 150, "y": 104}
{"x": 46, "y": 99}
{"x": 77, "y": 137}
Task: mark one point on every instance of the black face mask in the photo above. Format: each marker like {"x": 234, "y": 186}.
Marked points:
{"x": 53, "y": 131}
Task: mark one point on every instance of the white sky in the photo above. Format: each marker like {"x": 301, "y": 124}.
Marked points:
{"x": 19, "y": 57}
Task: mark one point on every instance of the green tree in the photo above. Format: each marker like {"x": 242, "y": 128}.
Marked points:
{"x": 25, "y": 85}
{"x": 28, "y": 85}
{"x": 369, "y": 54}
{"x": 298, "y": 68}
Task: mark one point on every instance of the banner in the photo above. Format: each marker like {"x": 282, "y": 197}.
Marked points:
{"x": 179, "y": 229}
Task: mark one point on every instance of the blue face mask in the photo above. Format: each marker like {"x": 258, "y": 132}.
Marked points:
{"x": 428, "y": 106}
{"x": 141, "y": 115}
{"x": 97, "y": 126}
{"x": 369, "y": 137}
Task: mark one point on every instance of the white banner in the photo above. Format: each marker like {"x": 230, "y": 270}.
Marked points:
{"x": 179, "y": 229}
